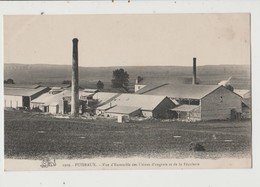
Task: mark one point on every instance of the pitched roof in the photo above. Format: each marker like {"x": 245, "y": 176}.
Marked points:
{"x": 28, "y": 86}
{"x": 150, "y": 87}
{"x": 241, "y": 92}
{"x": 123, "y": 109}
{"x": 247, "y": 102}
{"x": 185, "y": 108}
{"x": 53, "y": 84}
{"x": 182, "y": 91}
{"x": 90, "y": 90}
{"x": 105, "y": 106}
{"x": 145, "y": 102}
{"x": 168, "y": 79}
{"x": 22, "y": 91}
{"x": 53, "y": 99}
{"x": 105, "y": 97}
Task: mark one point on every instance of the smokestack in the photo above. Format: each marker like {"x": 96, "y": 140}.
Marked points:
{"x": 75, "y": 79}
{"x": 194, "y": 81}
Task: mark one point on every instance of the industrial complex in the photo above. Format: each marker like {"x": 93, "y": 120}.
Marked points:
{"x": 191, "y": 101}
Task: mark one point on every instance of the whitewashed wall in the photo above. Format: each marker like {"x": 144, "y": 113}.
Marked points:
{"x": 13, "y": 101}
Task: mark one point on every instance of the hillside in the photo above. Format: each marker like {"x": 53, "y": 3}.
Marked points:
{"x": 42, "y": 73}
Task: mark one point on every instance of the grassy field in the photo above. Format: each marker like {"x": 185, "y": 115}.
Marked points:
{"x": 34, "y": 136}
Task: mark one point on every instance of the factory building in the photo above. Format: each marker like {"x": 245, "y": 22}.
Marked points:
{"x": 58, "y": 101}
{"x": 138, "y": 105}
{"x": 200, "y": 102}
{"x": 21, "y": 95}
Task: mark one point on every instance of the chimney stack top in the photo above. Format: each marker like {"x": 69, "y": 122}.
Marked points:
{"x": 75, "y": 40}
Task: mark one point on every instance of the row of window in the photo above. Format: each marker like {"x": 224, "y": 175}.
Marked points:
{"x": 11, "y": 104}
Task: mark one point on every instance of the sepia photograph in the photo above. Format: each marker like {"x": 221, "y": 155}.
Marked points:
{"x": 127, "y": 91}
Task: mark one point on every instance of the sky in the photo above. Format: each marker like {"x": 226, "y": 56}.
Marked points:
{"x": 128, "y": 40}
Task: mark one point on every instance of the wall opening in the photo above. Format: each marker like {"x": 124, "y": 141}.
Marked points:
{"x": 26, "y": 101}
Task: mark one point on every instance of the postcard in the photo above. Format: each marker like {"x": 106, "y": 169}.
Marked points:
{"x": 127, "y": 91}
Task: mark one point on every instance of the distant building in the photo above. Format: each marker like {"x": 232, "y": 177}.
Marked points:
{"x": 154, "y": 82}
{"x": 199, "y": 102}
{"x": 22, "y": 95}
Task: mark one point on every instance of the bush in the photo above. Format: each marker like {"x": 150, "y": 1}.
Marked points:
{"x": 195, "y": 146}
{"x": 36, "y": 110}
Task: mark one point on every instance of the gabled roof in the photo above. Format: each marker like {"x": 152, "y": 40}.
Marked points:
{"x": 23, "y": 91}
{"x": 123, "y": 109}
{"x": 27, "y": 86}
{"x": 90, "y": 90}
{"x": 145, "y": 102}
{"x": 105, "y": 106}
{"x": 241, "y": 92}
{"x": 53, "y": 99}
{"x": 105, "y": 97}
{"x": 167, "y": 79}
{"x": 247, "y": 102}
{"x": 53, "y": 84}
{"x": 182, "y": 91}
{"x": 150, "y": 87}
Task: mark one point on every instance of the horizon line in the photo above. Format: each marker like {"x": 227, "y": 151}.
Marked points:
{"x": 134, "y": 65}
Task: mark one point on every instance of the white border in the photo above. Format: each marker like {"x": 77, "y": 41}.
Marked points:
{"x": 201, "y": 178}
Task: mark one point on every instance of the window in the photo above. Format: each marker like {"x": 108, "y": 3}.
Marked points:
{"x": 221, "y": 99}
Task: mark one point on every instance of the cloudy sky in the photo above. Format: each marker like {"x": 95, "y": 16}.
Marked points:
{"x": 128, "y": 40}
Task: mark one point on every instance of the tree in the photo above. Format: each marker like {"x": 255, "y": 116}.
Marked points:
{"x": 139, "y": 79}
{"x": 66, "y": 82}
{"x": 231, "y": 88}
{"x": 9, "y": 81}
{"x": 120, "y": 79}
{"x": 100, "y": 85}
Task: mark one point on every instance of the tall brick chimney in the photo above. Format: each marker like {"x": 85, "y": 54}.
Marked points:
{"x": 194, "y": 79}
{"x": 75, "y": 79}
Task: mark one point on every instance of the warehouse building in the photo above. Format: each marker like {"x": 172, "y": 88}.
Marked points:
{"x": 200, "y": 102}
{"x": 58, "y": 101}
{"x": 138, "y": 105}
{"x": 22, "y": 95}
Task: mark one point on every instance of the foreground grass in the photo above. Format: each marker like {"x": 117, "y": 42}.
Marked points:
{"x": 34, "y": 136}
